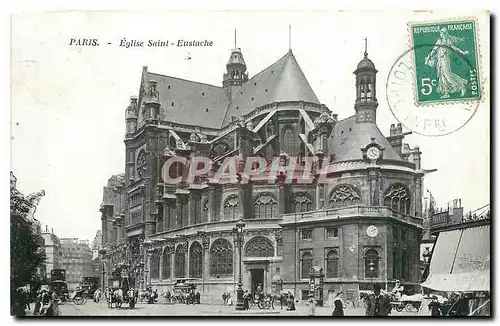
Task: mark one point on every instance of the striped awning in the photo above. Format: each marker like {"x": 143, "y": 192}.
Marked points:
{"x": 461, "y": 261}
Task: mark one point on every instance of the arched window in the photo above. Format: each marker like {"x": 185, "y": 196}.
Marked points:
{"x": 155, "y": 265}
{"x": 166, "y": 264}
{"x": 301, "y": 202}
{"x": 195, "y": 260}
{"x": 397, "y": 198}
{"x": 180, "y": 262}
{"x": 259, "y": 247}
{"x": 291, "y": 143}
{"x": 141, "y": 163}
{"x": 265, "y": 206}
{"x": 231, "y": 208}
{"x": 306, "y": 262}
{"x": 221, "y": 256}
{"x": 371, "y": 263}
{"x": 332, "y": 264}
{"x": 344, "y": 195}
{"x": 204, "y": 211}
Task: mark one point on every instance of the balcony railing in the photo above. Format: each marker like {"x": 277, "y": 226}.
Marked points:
{"x": 349, "y": 211}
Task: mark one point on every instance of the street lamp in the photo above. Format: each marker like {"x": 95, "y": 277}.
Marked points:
{"x": 102, "y": 252}
{"x": 238, "y": 235}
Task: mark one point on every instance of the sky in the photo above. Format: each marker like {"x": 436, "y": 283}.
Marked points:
{"x": 68, "y": 102}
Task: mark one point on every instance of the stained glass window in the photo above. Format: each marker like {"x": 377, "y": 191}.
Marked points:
{"x": 301, "y": 202}
{"x": 155, "y": 266}
{"x": 265, "y": 206}
{"x": 231, "y": 208}
{"x": 180, "y": 262}
{"x": 332, "y": 264}
{"x": 397, "y": 198}
{"x": 259, "y": 247}
{"x": 291, "y": 143}
{"x": 344, "y": 195}
{"x": 195, "y": 260}
{"x": 221, "y": 255}
{"x": 166, "y": 264}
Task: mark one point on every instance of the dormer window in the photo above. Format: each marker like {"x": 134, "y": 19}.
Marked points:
{"x": 202, "y": 93}
{"x": 172, "y": 103}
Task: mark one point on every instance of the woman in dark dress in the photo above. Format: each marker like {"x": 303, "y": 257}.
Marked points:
{"x": 338, "y": 306}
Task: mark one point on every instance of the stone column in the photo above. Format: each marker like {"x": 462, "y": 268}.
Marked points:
{"x": 186, "y": 254}
{"x": 281, "y": 194}
{"x": 206, "y": 258}
{"x": 211, "y": 203}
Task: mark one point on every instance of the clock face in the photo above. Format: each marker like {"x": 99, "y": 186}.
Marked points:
{"x": 373, "y": 153}
{"x": 372, "y": 231}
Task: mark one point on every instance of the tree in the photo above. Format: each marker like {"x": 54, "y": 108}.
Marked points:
{"x": 26, "y": 246}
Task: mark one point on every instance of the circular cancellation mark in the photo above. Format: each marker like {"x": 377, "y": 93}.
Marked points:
{"x": 436, "y": 98}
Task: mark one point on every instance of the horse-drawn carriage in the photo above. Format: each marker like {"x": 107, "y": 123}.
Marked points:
{"x": 183, "y": 291}
{"x": 119, "y": 292}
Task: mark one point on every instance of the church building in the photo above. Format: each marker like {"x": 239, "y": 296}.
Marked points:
{"x": 358, "y": 222}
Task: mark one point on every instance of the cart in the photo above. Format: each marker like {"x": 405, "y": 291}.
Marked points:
{"x": 407, "y": 302}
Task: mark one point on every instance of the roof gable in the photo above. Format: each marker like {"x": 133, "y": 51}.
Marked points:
{"x": 281, "y": 81}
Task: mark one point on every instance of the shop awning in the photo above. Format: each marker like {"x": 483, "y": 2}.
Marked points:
{"x": 461, "y": 261}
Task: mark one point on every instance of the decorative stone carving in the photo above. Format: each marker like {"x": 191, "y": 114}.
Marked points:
{"x": 259, "y": 247}
{"x": 323, "y": 118}
{"x": 344, "y": 195}
{"x": 141, "y": 163}
{"x": 131, "y": 111}
{"x": 152, "y": 91}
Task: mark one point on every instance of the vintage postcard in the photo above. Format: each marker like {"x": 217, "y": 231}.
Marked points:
{"x": 250, "y": 163}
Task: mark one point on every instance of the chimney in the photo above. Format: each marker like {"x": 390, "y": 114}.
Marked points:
{"x": 52, "y": 230}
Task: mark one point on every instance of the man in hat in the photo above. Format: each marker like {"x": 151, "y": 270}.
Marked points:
{"x": 378, "y": 304}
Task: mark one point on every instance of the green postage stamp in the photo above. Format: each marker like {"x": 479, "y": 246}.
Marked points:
{"x": 445, "y": 61}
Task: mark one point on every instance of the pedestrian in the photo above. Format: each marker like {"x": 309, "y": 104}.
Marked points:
{"x": 311, "y": 305}
{"x": 246, "y": 298}
{"x": 198, "y": 297}
{"x": 291, "y": 302}
{"x": 224, "y": 298}
{"x": 435, "y": 307}
{"x": 378, "y": 304}
{"x": 229, "y": 299}
{"x": 38, "y": 302}
{"x": 338, "y": 309}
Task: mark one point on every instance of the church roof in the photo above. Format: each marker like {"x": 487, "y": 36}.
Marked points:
{"x": 193, "y": 103}
{"x": 189, "y": 102}
{"x": 349, "y": 137}
{"x": 281, "y": 81}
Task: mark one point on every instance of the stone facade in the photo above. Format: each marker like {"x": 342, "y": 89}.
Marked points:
{"x": 360, "y": 179}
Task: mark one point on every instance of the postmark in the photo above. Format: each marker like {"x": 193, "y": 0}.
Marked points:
{"x": 434, "y": 87}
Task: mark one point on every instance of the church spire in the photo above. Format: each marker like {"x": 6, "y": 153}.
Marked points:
{"x": 366, "y": 93}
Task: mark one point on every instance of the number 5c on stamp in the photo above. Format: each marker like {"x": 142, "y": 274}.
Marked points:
{"x": 445, "y": 61}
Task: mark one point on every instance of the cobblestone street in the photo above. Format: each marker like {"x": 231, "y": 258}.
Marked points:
{"x": 164, "y": 309}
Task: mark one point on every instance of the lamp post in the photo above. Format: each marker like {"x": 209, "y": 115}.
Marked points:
{"x": 238, "y": 234}
{"x": 102, "y": 252}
